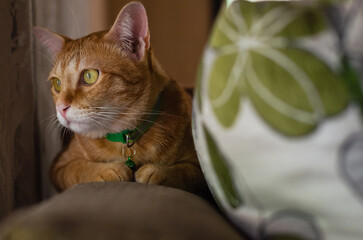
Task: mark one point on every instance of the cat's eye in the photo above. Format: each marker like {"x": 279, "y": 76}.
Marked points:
{"x": 90, "y": 76}
{"x": 57, "y": 84}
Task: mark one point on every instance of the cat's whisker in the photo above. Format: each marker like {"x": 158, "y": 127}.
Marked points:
{"x": 56, "y": 129}
{"x": 75, "y": 19}
{"x": 62, "y": 132}
{"x": 153, "y": 122}
{"x": 79, "y": 33}
{"x": 108, "y": 118}
{"x": 153, "y": 112}
{"x": 51, "y": 61}
{"x": 157, "y": 112}
{"x": 146, "y": 113}
{"x": 142, "y": 119}
{"x": 50, "y": 122}
{"x": 65, "y": 131}
{"x": 100, "y": 119}
{"x": 98, "y": 124}
{"x": 51, "y": 54}
{"x": 54, "y": 123}
{"x": 51, "y": 125}
{"x": 47, "y": 118}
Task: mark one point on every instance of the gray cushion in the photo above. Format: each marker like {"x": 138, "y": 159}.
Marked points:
{"x": 119, "y": 211}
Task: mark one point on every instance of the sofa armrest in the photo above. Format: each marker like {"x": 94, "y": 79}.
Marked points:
{"x": 119, "y": 211}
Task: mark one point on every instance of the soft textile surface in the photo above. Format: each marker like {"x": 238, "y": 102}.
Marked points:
{"x": 278, "y": 133}
{"x": 119, "y": 211}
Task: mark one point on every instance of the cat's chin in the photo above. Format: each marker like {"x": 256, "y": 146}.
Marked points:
{"x": 88, "y": 129}
{"x": 82, "y": 128}
{"x": 85, "y": 130}
{"x": 94, "y": 135}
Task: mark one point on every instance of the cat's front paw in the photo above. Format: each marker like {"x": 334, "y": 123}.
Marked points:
{"x": 149, "y": 174}
{"x": 114, "y": 172}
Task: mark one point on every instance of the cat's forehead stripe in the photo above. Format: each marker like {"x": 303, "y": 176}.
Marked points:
{"x": 65, "y": 65}
{"x": 69, "y": 58}
{"x": 68, "y": 70}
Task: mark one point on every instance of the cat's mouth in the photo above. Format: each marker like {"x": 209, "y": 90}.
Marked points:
{"x": 78, "y": 125}
{"x": 91, "y": 124}
{"x": 84, "y": 128}
{"x": 85, "y": 124}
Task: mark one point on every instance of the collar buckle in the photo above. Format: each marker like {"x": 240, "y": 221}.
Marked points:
{"x": 129, "y": 141}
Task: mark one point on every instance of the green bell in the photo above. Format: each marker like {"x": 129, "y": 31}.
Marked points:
{"x": 131, "y": 164}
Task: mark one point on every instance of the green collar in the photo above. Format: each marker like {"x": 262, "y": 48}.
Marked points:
{"x": 129, "y": 137}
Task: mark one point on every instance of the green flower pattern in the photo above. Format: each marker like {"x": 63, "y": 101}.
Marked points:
{"x": 222, "y": 171}
{"x": 258, "y": 56}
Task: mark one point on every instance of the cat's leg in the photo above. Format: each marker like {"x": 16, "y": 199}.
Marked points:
{"x": 184, "y": 175}
{"x": 66, "y": 173}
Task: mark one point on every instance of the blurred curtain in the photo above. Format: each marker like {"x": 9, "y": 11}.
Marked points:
{"x": 19, "y": 181}
{"x": 68, "y": 18}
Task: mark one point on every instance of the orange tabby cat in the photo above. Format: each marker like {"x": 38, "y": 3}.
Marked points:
{"x": 109, "y": 82}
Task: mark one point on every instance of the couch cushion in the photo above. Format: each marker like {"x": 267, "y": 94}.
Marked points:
{"x": 119, "y": 211}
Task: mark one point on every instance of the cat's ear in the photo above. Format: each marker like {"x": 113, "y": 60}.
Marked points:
{"x": 51, "y": 40}
{"x": 131, "y": 30}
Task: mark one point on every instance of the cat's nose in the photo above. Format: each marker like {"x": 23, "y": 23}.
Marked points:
{"x": 62, "y": 109}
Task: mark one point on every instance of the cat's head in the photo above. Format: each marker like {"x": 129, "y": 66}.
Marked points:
{"x": 106, "y": 81}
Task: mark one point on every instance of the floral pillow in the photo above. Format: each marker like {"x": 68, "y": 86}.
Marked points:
{"x": 278, "y": 118}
